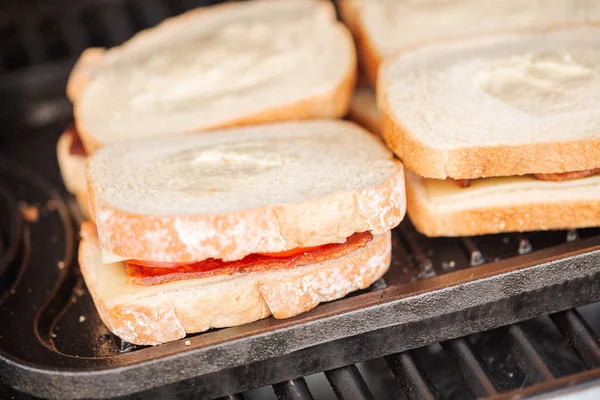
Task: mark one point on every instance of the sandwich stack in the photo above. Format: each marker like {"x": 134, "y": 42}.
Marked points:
{"x": 383, "y": 28}
{"x": 206, "y": 209}
{"x": 230, "y": 226}
{"x": 500, "y": 133}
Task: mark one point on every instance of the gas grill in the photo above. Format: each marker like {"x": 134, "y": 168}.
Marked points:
{"x": 501, "y": 316}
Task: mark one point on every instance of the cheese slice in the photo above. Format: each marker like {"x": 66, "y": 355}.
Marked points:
{"x": 507, "y": 190}
{"x": 110, "y": 258}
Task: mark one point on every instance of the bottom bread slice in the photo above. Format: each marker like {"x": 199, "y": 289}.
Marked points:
{"x": 151, "y": 315}
{"x": 494, "y": 205}
{"x": 72, "y": 169}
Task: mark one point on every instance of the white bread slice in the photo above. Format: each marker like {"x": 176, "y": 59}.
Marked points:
{"x": 494, "y": 205}
{"x": 385, "y": 27}
{"x": 151, "y": 315}
{"x": 496, "y": 106}
{"x": 234, "y": 64}
{"x": 72, "y": 169}
{"x": 364, "y": 111}
{"x": 229, "y": 193}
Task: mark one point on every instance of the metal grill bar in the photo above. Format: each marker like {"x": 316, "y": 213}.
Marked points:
{"x": 471, "y": 367}
{"x": 474, "y": 254}
{"x": 580, "y": 337}
{"x": 524, "y": 244}
{"x": 348, "y": 383}
{"x": 424, "y": 263}
{"x": 411, "y": 377}
{"x": 527, "y": 357}
{"x": 572, "y": 235}
{"x": 379, "y": 284}
{"x": 295, "y": 389}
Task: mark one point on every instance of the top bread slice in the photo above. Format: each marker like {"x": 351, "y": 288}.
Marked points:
{"x": 234, "y": 64}
{"x": 385, "y": 27}
{"x": 500, "y": 105}
{"x": 229, "y": 193}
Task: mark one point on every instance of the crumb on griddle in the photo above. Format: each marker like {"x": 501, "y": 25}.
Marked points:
{"x": 30, "y": 213}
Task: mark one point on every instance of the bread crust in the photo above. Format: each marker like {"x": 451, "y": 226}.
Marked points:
{"x": 369, "y": 57}
{"x": 72, "y": 169}
{"x": 533, "y": 216}
{"x": 80, "y": 76}
{"x": 170, "y": 315}
{"x": 488, "y": 161}
{"x": 268, "y": 229}
{"x": 333, "y": 104}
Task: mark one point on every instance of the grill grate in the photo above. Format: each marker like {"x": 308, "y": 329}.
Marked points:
{"x": 348, "y": 383}
{"x": 415, "y": 382}
{"x": 415, "y": 327}
{"x": 411, "y": 377}
{"x": 579, "y": 336}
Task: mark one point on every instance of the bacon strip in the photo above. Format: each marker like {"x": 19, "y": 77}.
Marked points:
{"x": 463, "y": 183}
{"x": 146, "y": 274}
{"x": 565, "y": 176}
{"x": 77, "y": 148}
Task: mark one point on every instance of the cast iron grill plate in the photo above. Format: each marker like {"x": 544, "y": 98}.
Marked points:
{"x": 411, "y": 326}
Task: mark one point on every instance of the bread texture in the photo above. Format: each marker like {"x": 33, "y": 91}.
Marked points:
{"x": 494, "y": 205}
{"x": 72, "y": 169}
{"x": 364, "y": 111}
{"x": 150, "y": 315}
{"x": 496, "y": 106}
{"x": 383, "y": 28}
{"x": 228, "y": 65}
{"x": 229, "y": 193}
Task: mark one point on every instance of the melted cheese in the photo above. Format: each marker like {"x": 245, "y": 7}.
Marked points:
{"x": 505, "y": 189}
{"x": 110, "y": 258}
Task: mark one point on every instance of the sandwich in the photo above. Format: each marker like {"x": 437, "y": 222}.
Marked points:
{"x": 500, "y": 133}
{"x": 222, "y": 66}
{"x": 192, "y": 232}
{"x": 384, "y": 27}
